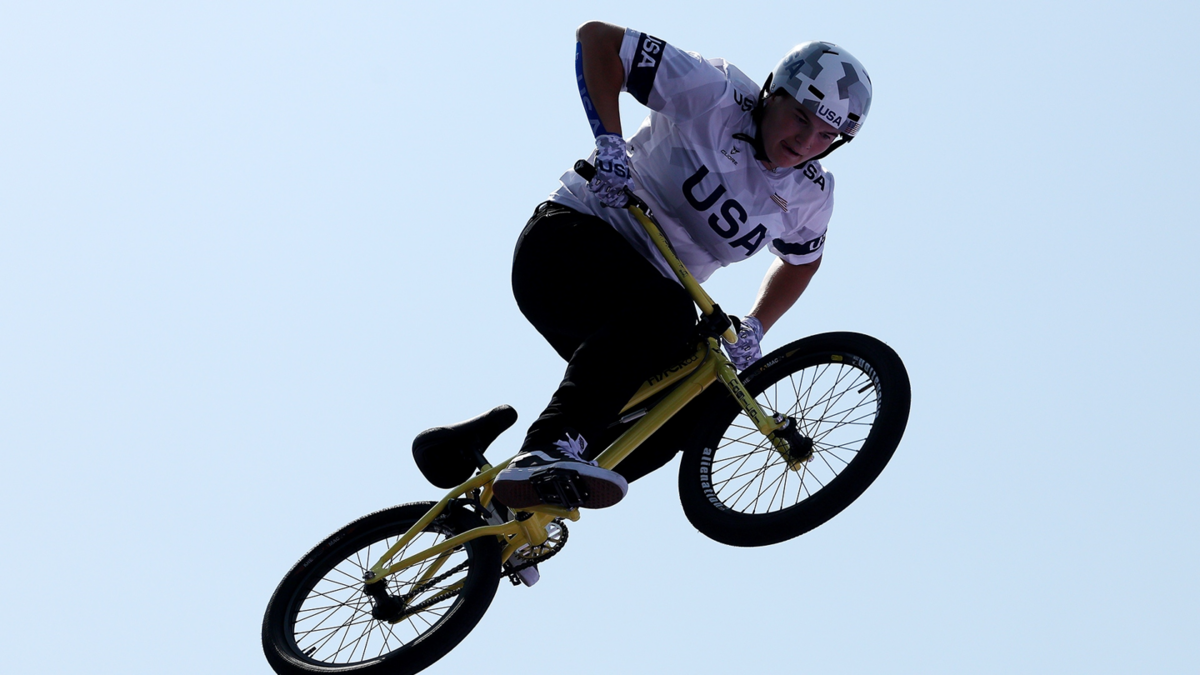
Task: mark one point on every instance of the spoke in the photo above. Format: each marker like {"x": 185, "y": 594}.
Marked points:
{"x": 743, "y": 449}
{"x": 845, "y": 415}
{"x": 435, "y": 611}
{"x": 835, "y": 405}
{"x": 736, "y": 475}
{"x": 312, "y": 611}
{"x": 822, "y": 439}
{"x": 732, "y": 500}
{"x": 342, "y": 643}
{"x": 781, "y": 483}
{"x": 765, "y": 487}
{"x": 414, "y": 626}
{"x": 391, "y": 629}
{"x": 344, "y": 629}
{"x": 734, "y": 469}
{"x": 850, "y": 446}
{"x": 338, "y": 586}
{"x": 761, "y": 477}
{"x": 334, "y": 623}
{"x": 751, "y": 443}
{"x": 749, "y": 431}
{"x": 325, "y": 630}
{"x": 826, "y": 454}
{"x": 727, "y": 460}
{"x": 820, "y": 483}
{"x": 751, "y": 472}
{"x": 802, "y": 492}
{"x": 754, "y": 446}
{"x": 365, "y": 642}
{"x": 357, "y": 562}
{"x": 817, "y": 375}
{"x": 353, "y": 578}
{"x": 844, "y": 419}
{"x": 796, "y": 386}
{"x": 826, "y": 399}
{"x": 349, "y": 621}
{"x": 322, "y": 594}
{"x": 385, "y": 632}
{"x": 822, "y": 434}
{"x": 804, "y": 473}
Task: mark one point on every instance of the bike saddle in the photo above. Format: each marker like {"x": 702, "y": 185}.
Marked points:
{"x": 447, "y": 456}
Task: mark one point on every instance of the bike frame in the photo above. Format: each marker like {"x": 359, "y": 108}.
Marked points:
{"x": 684, "y": 382}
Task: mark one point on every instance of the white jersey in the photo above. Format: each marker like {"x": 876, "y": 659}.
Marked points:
{"x": 716, "y": 203}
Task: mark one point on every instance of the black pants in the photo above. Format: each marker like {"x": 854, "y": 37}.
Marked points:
{"x": 605, "y": 309}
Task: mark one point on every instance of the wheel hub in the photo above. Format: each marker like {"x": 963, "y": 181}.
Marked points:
{"x": 800, "y": 447}
{"x": 385, "y": 607}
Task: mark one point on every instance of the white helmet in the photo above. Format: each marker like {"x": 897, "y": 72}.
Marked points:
{"x": 827, "y": 80}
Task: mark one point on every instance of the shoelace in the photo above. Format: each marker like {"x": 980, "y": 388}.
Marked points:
{"x": 574, "y": 447}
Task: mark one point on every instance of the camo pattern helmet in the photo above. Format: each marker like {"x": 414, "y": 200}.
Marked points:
{"x": 828, "y": 81}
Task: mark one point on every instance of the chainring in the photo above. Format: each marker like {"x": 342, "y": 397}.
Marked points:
{"x": 528, "y": 556}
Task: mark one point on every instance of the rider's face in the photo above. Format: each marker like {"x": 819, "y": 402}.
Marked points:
{"x": 792, "y": 133}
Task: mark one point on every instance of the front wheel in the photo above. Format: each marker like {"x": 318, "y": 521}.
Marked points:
{"x": 848, "y": 393}
{"x": 321, "y": 620}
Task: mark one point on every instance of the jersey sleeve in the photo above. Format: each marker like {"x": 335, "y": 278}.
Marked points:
{"x": 667, "y": 79}
{"x": 805, "y": 241}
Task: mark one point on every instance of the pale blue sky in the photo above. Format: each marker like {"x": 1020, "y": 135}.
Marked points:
{"x": 251, "y": 249}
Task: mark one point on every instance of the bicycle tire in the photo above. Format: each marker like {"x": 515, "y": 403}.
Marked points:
{"x": 848, "y": 392}
{"x": 319, "y": 619}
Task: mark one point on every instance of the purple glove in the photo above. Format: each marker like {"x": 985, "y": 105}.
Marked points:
{"x": 612, "y": 171}
{"x": 746, "y": 350}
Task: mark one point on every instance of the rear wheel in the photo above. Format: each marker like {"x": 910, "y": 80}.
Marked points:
{"x": 321, "y": 620}
{"x": 848, "y": 393}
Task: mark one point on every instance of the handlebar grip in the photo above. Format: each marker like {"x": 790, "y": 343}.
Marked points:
{"x": 585, "y": 170}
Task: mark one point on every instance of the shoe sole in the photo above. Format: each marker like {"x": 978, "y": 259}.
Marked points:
{"x": 514, "y": 486}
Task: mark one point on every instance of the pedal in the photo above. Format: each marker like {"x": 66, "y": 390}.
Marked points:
{"x": 526, "y": 576}
{"x": 559, "y": 487}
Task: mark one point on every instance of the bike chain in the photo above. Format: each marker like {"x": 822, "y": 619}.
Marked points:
{"x": 409, "y": 610}
{"x": 547, "y": 552}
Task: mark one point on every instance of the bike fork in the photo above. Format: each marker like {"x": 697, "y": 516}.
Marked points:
{"x": 783, "y": 432}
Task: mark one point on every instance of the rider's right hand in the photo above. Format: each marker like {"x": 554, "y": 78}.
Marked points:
{"x": 746, "y": 350}
{"x": 612, "y": 171}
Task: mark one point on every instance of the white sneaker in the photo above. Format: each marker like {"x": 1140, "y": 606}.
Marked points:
{"x": 515, "y": 485}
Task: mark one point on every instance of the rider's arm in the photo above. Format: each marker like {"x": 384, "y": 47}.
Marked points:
{"x": 602, "y": 69}
{"x": 664, "y": 78}
{"x": 780, "y": 288}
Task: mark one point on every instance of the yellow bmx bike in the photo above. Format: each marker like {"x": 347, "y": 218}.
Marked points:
{"x": 771, "y": 454}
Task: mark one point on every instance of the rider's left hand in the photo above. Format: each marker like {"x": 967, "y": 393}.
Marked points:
{"x": 612, "y": 171}
{"x": 746, "y": 350}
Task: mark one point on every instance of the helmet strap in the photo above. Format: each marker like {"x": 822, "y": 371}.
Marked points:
{"x": 842, "y": 140}
{"x": 756, "y": 142}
